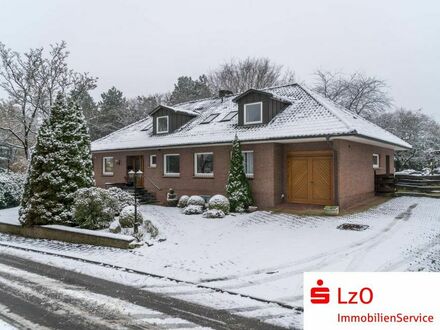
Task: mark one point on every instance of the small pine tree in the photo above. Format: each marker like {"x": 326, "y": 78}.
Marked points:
{"x": 61, "y": 163}
{"x": 238, "y": 189}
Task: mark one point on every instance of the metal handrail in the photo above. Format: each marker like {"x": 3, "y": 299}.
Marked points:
{"x": 155, "y": 185}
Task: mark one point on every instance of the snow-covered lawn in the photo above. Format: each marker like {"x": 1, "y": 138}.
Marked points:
{"x": 264, "y": 254}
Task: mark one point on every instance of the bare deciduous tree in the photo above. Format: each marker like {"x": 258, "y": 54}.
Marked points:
{"x": 416, "y": 128}
{"x": 240, "y": 75}
{"x": 31, "y": 81}
{"x": 363, "y": 95}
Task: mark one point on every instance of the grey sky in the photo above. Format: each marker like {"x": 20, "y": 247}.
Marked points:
{"x": 141, "y": 47}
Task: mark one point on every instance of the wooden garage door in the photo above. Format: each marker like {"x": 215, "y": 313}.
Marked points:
{"x": 310, "y": 179}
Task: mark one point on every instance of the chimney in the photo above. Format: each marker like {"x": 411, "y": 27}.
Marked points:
{"x": 224, "y": 92}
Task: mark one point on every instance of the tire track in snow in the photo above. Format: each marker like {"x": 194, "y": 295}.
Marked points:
{"x": 316, "y": 262}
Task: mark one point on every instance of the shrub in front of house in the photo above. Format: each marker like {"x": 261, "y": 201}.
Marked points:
{"x": 93, "y": 208}
{"x": 193, "y": 209}
{"x": 11, "y": 188}
{"x": 214, "y": 214}
{"x": 151, "y": 229}
{"x": 183, "y": 201}
{"x": 219, "y": 202}
{"x": 127, "y": 218}
{"x": 196, "y": 200}
{"x": 124, "y": 198}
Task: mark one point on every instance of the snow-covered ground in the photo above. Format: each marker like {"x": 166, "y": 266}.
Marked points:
{"x": 264, "y": 254}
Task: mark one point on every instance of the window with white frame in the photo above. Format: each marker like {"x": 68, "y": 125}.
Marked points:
{"x": 204, "y": 164}
{"x": 162, "y": 124}
{"x": 108, "y": 164}
{"x": 253, "y": 113}
{"x": 171, "y": 165}
{"x": 376, "y": 161}
{"x": 248, "y": 163}
{"x": 153, "y": 160}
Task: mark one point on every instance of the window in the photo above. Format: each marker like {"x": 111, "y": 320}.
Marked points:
{"x": 107, "y": 165}
{"x": 229, "y": 116}
{"x": 210, "y": 118}
{"x": 248, "y": 163}
{"x": 376, "y": 161}
{"x": 253, "y": 113}
{"x": 204, "y": 164}
{"x": 162, "y": 125}
{"x": 153, "y": 160}
{"x": 171, "y": 165}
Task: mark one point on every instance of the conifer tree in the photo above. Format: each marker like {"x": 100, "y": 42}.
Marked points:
{"x": 238, "y": 189}
{"x": 61, "y": 163}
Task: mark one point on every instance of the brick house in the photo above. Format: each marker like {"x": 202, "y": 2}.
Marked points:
{"x": 298, "y": 147}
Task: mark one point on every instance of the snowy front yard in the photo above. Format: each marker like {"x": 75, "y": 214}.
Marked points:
{"x": 264, "y": 254}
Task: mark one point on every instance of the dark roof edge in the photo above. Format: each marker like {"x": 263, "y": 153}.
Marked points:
{"x": 352, "y": 133}
{"x": 251, "y": 90}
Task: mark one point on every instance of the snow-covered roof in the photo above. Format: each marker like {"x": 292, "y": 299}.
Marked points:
{"x": 309, "y": 115}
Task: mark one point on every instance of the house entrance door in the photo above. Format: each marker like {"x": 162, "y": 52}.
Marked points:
{"x": 135, "y": 163}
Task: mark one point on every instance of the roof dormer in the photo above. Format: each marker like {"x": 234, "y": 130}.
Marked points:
{"x": 258, "y": 107}
{"x": 167, "y": 119}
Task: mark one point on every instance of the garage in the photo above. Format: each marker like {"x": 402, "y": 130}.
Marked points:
{"x": 310, "y": 178}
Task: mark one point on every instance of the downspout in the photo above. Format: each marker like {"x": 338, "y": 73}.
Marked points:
{"x": 335, "y": 171}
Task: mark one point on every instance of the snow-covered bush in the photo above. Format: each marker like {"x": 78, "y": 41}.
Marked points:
{"x": 11, "y": 188}
{"x": 219, "y": 202}
{"x": 126, "y": 217}
{"x": 196, "y": 200}
{"x": 183, "y": 201}
{"x": 193, "y": 209}
{"x": 214, "y": 214}
{"x": 93, "y": 208}
{"x": 124, "y": 198}
{"x": 150, "y": 228}
{"x": 61, "y": 164}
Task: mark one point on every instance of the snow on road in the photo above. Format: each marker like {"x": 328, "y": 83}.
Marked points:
{"x": 71, "y": 303}
{"x": 264, "y": 254}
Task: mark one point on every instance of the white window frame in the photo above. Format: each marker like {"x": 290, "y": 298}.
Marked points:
{"x": 249, "y": 175}
{"x": 204, "y": 175}
{"x": 103, "y": 165}
{"x": 261, "y": 114}
{"x": 165, "y": 166}
{"x": 157, "y": 124}
{"x": 377, "y": 156}
{"x": 151, "y": 161}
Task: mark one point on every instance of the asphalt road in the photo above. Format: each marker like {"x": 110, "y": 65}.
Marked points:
{"x": 39, "y": 296}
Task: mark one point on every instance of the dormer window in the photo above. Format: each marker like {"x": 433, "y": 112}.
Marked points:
{"x": 253, "y": 113}
{"x": 162, "y": 124}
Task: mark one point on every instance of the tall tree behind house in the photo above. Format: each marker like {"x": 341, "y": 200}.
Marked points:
{"x": 31, "y": 81}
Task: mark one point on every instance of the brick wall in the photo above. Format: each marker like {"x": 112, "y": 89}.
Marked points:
{"x": 188, "y": 184}
{"x": 355, "y": 170}
{"x": 354, "y": 174}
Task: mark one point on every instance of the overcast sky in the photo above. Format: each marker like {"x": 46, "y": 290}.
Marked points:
{"x": 141, "y": 47}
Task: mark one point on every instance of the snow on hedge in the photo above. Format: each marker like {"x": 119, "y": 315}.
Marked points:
{"x": 196, "y": 200}
{"x": 219, "y": 202}
{"x": 214, "y": 214}
{"x": 93, "y": 208}
{"x": 124, "y": 198}
{"x": 183, "y": 201}
{"x": 11, "y": 188}
{"x": 193, "y": 209}
{"x": 127, "y": 217}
